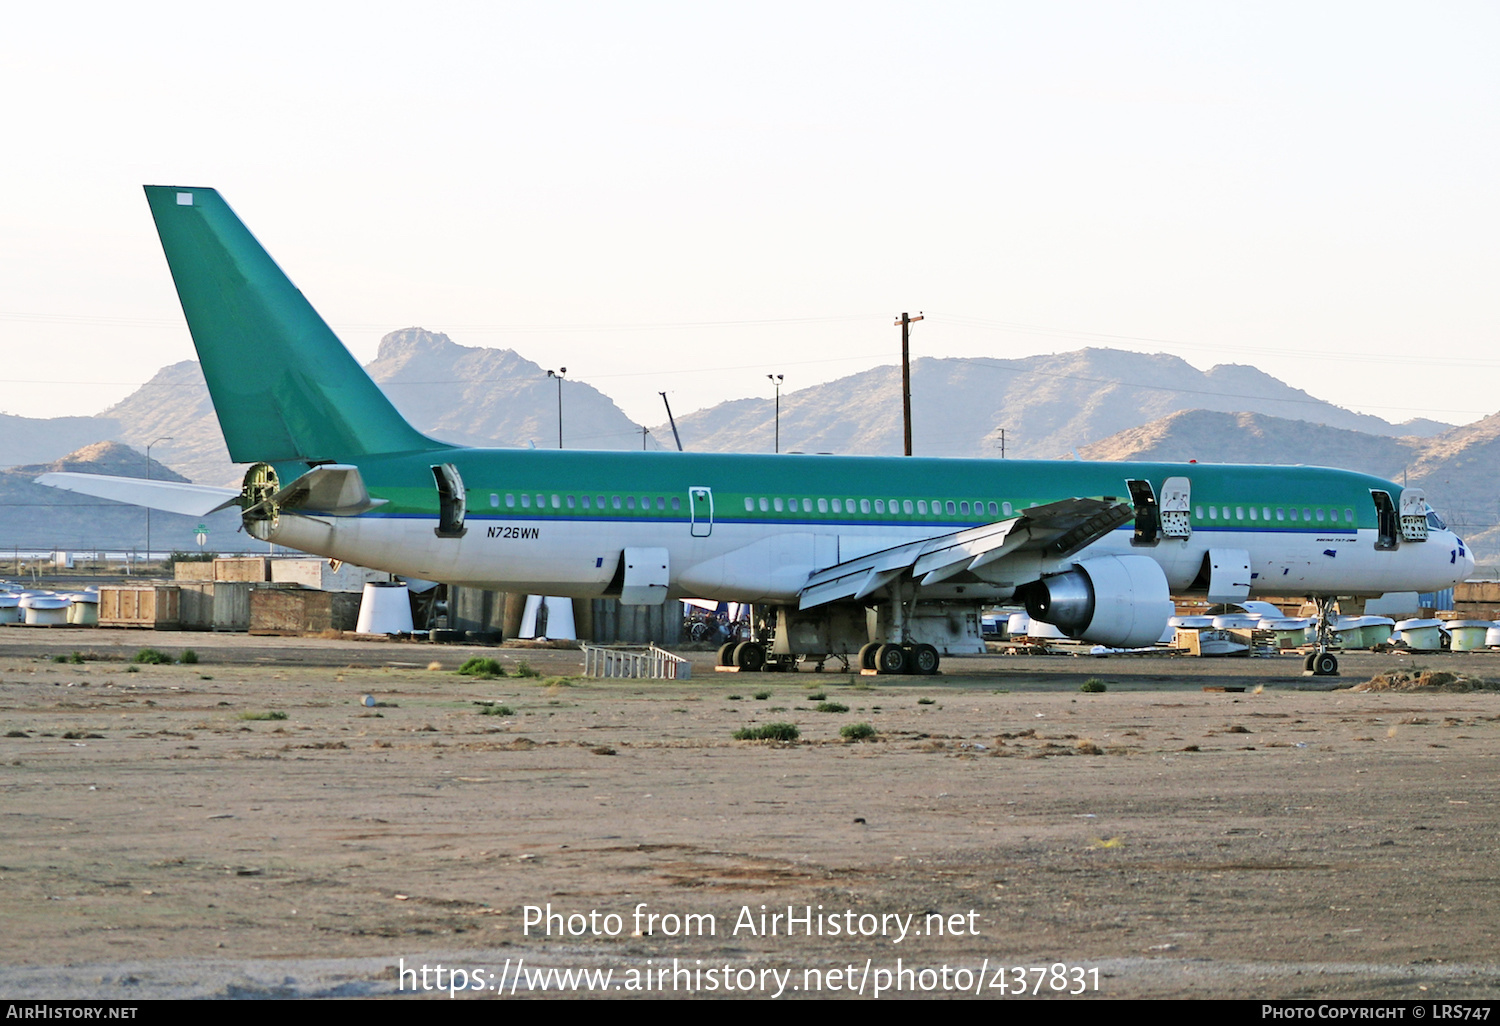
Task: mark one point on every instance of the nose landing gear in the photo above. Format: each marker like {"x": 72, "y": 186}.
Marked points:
{"x": 1321, "y": 662}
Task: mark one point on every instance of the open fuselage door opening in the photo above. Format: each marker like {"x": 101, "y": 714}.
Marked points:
{"x": 452, "y": 501}
{"x": 1147, "y": 513}
{"x": 701, "y": 511}
{"x": 1388, "y": 535}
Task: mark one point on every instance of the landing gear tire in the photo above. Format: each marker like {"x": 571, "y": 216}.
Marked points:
{"x": 1325, "y": 664}
{"x": 867, "y": 655}
{"x": 1307, "y": 662}
{"x": 924, "y": 660}
{"x": 726, "y": 653}
{"x": 891, "y": 659}
{"x": 749, "y": 656}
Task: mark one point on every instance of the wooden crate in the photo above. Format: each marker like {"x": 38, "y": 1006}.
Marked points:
{"x": 302, "y": 611}
{"x": 194, "y": 571}
{"x": 149, "y": 606}
{"x": 317, "y": 573}
{"x": 254, "y": 569}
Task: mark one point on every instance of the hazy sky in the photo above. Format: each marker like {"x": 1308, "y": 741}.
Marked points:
{"x": 689, "y": 196}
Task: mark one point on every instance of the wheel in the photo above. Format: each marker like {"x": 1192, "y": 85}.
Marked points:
{"x": 867, "y": 656}
{"x": 924, "y": 659}
{"x": 698, "y": 631}
{"x": 749, "y": 655}
{"x": 1325, "y": 664}
{"x": 726, "y": 653}
{"x": 891, "y": 659}
{"x": 1307, "y": 661}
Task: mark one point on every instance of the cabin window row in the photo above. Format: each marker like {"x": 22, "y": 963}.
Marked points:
{"x": 917, "y": 507}
{"x": 645, "y": 503}
{"x": 1308, "y": 513}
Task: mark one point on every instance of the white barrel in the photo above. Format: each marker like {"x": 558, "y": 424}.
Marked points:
{"x": 1291, "y": 631}
{"x": 1264, "y": 610}
{"x": 45, "y": 610}
{"x": 1469, "y": 635}
{"x": 384, "y": 609}
{"x": 1421, "y": 635}
{"x": 1348, "y": 632}
{"x": 1191, "y": 622}
{"x": 1375, "y": 630}
{"x": 10, "y": 607}
{"x": 84, "y": 609}
{"x": 1236, "y": 621}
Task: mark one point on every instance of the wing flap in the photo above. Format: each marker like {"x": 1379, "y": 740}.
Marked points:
{"x": 1058, "y": 528}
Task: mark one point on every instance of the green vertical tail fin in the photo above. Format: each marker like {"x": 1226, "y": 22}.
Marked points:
{"x": 283, "y": 385}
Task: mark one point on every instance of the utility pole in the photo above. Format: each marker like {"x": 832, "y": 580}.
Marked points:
{"x": 644, "y": 432}
{"x": 1002, "y": 443}
{"x": 905, "y": 323}
{"x": 776, "y": 380}
{"x": 164, "y": 438}
{"x": 558, "y": 374}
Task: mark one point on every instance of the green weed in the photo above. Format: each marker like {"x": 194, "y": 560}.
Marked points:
{"x": 482, "y": 666}
{"x": 769, "y": 732}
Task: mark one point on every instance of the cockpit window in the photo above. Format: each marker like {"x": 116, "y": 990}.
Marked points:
{"x": 1434, "y": 521}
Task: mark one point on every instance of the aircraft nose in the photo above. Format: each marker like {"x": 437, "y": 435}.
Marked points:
{"x": 1459, "y": 559}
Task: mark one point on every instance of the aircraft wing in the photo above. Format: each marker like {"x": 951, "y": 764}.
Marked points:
{"x": 172, "y": 496}
{"x": 1057, "y": 529}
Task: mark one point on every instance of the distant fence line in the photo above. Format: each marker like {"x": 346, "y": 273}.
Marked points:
{"x": 12, "y": 557}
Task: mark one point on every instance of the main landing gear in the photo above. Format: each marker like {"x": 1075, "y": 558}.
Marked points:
{"x": 886, "y": 658}
{"x": 750, "y": 656}
{"x": 1320, "y": 662}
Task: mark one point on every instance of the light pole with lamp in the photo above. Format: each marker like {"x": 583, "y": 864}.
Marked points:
{"x": 163, "y": 438}
{"x": 776, "y": 380}
{"x": 558, "y": 374}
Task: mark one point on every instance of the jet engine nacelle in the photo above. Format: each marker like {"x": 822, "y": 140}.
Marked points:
{"x": 1122, "y": 601}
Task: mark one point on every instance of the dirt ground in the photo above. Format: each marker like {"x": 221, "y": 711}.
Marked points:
{"x": 163, "y": 838}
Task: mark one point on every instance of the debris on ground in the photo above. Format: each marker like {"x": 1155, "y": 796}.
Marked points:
{"x": 1426, "y": 680}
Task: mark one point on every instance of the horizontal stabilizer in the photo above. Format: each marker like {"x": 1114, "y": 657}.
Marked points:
{"x": 171, "y": 496}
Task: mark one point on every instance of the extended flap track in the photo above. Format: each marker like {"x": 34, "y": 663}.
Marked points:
{"x": 1095, "y": 527}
